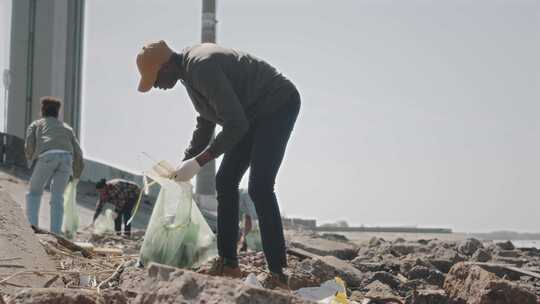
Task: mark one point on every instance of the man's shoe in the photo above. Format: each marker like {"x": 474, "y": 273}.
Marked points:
{"x": 219, "y": 268}
{"x": 279, "y": 280}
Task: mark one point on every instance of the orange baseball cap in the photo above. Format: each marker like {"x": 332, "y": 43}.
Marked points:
{"x": 149, "y": 61}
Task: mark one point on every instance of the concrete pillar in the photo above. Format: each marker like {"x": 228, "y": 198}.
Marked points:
{"x": 22, "y": 31}
{"x": 206, "y": 179}
{"x": 46, "y": 43}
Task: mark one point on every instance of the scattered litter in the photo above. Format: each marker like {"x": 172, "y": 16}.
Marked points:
{"x": 327, "y": 290}
{"x": 108, "y": 251}
{"x": 252, "y": 280}
{"x": 85, "y": 269}
{"x": 104, "y": 223}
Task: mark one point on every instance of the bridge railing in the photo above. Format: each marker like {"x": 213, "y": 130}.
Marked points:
{"x": 12, "y": 151}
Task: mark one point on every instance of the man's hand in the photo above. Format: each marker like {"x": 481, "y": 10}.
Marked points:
{"x": 186, "y": 171}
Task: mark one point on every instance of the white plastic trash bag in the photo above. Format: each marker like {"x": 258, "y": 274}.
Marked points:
{"x": 104, "y": 223}
{"x": 70, "y": 222}
{"x": 177, "y": 234}
{"x": 330, "y": 292}
{"x": 326, "y": 290}
{"x": 253, "y": 239}
{"x": 252, "y": 280}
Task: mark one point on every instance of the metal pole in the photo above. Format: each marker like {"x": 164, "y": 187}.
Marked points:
{"x": 208, "y": 33}
{"x": 6, "y": 77}
{"x": 206, "y": 179}
{"x": 30, "y": 62}
{"x": 73, "y": 69}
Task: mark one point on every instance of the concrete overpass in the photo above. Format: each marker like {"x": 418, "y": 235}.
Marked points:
{"x": 46, "y": 54}
{"x": 45, "y": 59}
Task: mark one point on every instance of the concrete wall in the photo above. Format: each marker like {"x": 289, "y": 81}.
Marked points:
{"x": 12, "y": 151}
{"x": 20, "y": 32}
{"x": 95, "y": 169}
{"x": 298, "y": 222}
{"x": 49, "y": 52}
{"x": 45, "y": 60}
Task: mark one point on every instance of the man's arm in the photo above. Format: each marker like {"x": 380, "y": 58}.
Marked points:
{"x": 99, "y": 207}
{"x": 201, "y": 137}
{"x": 210, "y": 81}
{"x": 30, "y": 141}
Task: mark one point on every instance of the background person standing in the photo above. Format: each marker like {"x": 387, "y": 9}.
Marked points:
{"x": 53, "y": 146}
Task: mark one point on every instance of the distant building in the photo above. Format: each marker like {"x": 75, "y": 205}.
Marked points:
{"x": 296, "y": 223}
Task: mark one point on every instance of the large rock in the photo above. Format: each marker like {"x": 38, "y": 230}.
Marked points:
{"x": 470, "y": 284}
{"x": 368, "y": 266}
{"x": 508, "y": 253}
{"x": 443, "y": 259}
{"x": 530, "y": 251}
{"x": 442, "y": 244}
{"x": 328, "y": 267}
{"x": 469, "y": 246}
{"x": 376, "y": 242}
{"x": 507, "y": 272}
{"x": 335, "y": 237}
{"x": 407, "y": 264}
{"x": 506, "y": 245}
{"x": 427, "y": 297}
{"x": 172, "y": 285}
{"x": 323, "y": 247}
{"x": 66, "y": 296}
{"x": 511, "y": 261}
{"x": 386, "y": 278}
{"x": 131, "y": 280}
{"x": 481, "y": 255}
{"x": 402, "y": 249}
{"x": 431, "y": 276}
{"x": 399, "y": 240}
{"x": 380, "y": 291}
{"x": 417, "y": 284}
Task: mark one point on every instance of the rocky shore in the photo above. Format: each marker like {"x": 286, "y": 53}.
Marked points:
{"x": 376, "y": 271}
{"x": 426, "y": 270}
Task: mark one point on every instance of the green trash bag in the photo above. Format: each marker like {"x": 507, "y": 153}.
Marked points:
{"x": 104, "y": 223}
{"x": 253, "y": 239}
{"x": 70, "y": 222}
{"x": 177, "y": 234}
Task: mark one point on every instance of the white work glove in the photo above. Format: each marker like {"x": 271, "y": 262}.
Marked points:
{"x": 186, "y": 171}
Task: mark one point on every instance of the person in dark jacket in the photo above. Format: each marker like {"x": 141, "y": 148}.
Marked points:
{"x": 257, "y": 107}
{"x": 121, "y": 194}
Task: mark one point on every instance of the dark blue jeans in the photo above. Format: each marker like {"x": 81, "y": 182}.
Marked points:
{"x": 262, "y": 150}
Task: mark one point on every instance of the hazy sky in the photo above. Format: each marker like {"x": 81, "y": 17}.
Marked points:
{"x": 414, "y": 112}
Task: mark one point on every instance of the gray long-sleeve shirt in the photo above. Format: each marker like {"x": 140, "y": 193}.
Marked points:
{"x": 50, "y": 133}
{"x": 229, "y": 88}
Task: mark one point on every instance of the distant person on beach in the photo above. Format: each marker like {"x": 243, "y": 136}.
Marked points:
{"x": 122, "y": 195}
{"x": 56, "y": 155}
